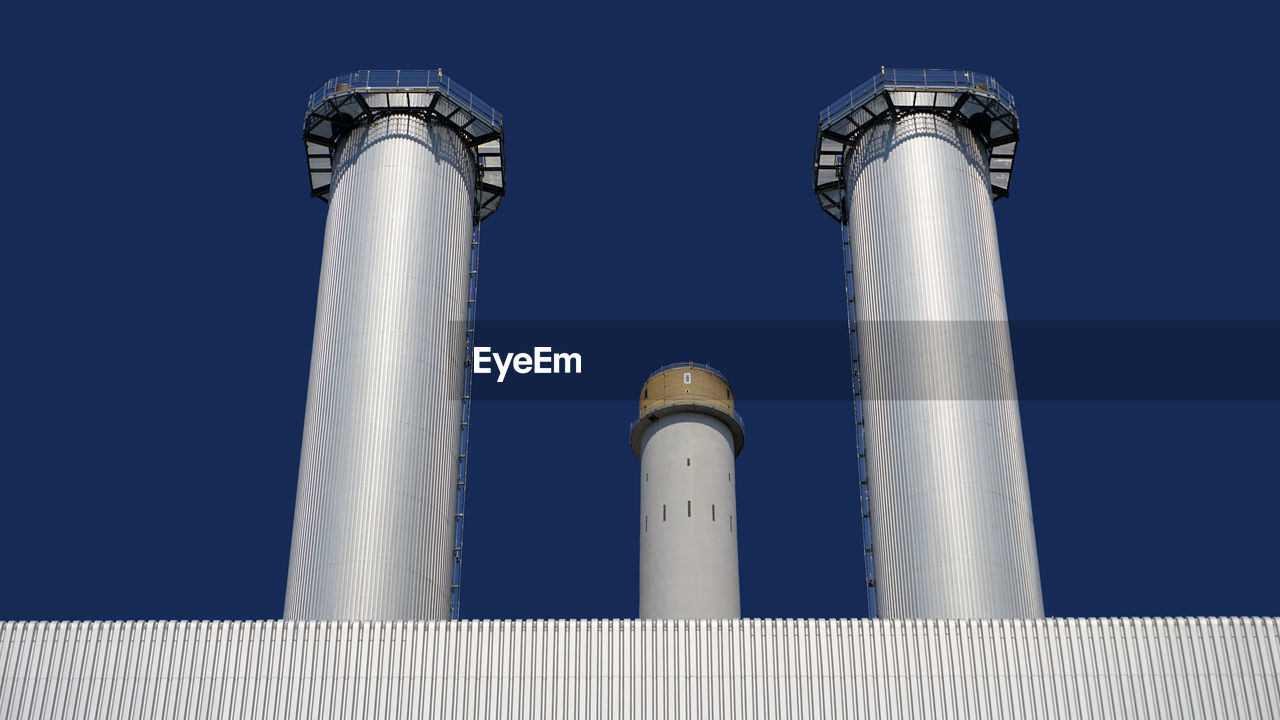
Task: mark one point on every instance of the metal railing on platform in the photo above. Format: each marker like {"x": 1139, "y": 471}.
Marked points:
{"x": 407, "y": 80}
{"x": 916, "y": 79}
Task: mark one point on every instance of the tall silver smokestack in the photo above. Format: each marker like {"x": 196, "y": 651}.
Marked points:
{"x": 909, "y": 163}
{"x": 410, "y": 164}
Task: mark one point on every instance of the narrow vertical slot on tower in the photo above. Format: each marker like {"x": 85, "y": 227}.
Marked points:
{"x": 664, "y": 513}
{"x": 689, "y": 507}
{"x": 646, "y": 523}
{"x": 730, "y": 523}
{"x": 713, "y": 512}
{"x": 688, "y": 462}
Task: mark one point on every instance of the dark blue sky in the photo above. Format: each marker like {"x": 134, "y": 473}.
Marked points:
{"x": 162, "y": 257}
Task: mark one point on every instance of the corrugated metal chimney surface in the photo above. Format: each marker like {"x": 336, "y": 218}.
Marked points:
{"x": 909, "y": 162}
{"x": 410, "y": 163}
{"x": 687, "y": 437}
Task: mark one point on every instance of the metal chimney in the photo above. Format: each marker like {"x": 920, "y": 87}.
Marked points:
{"x": 410, "y": 164}
{"x": 909, "y": 163}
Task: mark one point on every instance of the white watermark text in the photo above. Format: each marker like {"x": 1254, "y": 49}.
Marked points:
{"x": 542, "y": 362}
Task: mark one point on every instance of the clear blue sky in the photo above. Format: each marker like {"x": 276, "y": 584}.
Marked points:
{"x": 162, "y": 257}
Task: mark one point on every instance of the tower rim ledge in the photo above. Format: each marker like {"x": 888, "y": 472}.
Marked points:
{"x": 345, "y": 101}
{"x": 972, "y": 98}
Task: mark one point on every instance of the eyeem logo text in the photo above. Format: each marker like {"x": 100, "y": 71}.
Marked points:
{"x": 541, "y": 362}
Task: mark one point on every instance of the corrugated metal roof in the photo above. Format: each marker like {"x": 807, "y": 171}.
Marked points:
{"x": 1125, "y": 667}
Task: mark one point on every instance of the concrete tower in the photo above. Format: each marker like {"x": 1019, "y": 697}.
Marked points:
{"x": 687, "y": 437}
{"x": 910, "y": 163}
{"x": 410, "y": 163}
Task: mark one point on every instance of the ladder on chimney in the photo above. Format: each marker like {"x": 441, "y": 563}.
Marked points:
{"x": 460, "y": 500}
{"x": 864, "y": 500}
